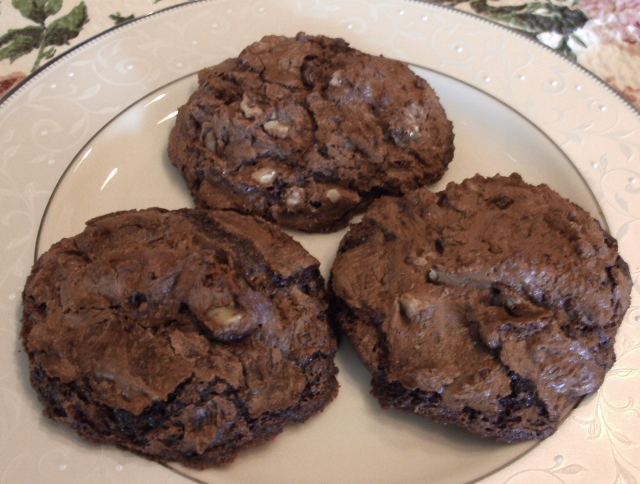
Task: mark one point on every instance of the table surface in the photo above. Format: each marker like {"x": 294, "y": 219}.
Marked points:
{"x": 601, "y": 35}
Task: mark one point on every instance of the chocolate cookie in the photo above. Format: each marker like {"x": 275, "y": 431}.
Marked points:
{"x": 492, "y": 305}
{"x": 306, "y": 131}
{"x": 181, "y": 336}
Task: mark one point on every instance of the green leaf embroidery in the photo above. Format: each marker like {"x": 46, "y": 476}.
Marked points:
{"x": 578, "y": 40}
{"x": 20, "y": 42}
{"x": 62, "y": 30}
{"x": 52, "y": 7}
{"x": 48, "y": 53}
{"x": 118, "y": 18}
{"x": 37, "y": 10}
{"x": 534, "y": 18}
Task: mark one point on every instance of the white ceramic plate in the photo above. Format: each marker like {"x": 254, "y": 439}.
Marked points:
{"x": 87, "y": 135}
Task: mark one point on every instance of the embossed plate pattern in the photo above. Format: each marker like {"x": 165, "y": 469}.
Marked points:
{"x": 97, "y": 94}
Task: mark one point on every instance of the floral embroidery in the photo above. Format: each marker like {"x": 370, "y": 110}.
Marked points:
{"x": 571, "y": 27}
{"x": 118, "y": 18}
{"x": 554, "y": 23}
{"x": 42, "y": 36}
{"x": 617, "y": 20}
{"x": 8, "y": 81}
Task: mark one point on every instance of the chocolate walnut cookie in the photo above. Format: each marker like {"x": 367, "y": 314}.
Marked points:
{"x": 492, "y": 305}
{"x": 181, "y": 336}
{"x": 306, "y": 131}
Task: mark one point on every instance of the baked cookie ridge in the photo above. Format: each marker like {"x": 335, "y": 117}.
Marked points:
{"x": 307, "y": 131}
{"x": 492, "y": 305}
{"x": 179, "y": 335}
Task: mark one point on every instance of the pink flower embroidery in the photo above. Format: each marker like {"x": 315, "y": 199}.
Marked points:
{"x": 613, "y": 20}
{"x": 631, "y": 93}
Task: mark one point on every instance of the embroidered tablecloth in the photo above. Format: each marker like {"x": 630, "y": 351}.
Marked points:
{"x": 601, "y": 35}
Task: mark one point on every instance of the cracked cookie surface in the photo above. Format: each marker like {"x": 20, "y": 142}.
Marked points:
{"x": 306, "y": 131}
{"x": 492, "y": 305}
{"x": 181, "y": 336}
